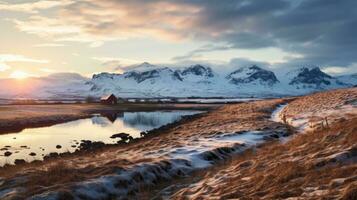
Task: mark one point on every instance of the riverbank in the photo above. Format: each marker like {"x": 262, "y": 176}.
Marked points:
{"x": 14, "y": 118}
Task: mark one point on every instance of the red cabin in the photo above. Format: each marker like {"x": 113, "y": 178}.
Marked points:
{"x": 110, "y": 100}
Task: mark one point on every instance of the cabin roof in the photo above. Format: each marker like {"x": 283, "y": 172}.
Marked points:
{"x": 107, "y": 97}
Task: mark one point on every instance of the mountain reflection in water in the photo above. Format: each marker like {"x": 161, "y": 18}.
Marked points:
{"x": 43, "y": 141}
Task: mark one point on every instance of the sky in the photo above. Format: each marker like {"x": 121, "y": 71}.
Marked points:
{"x": 38, "y": 38}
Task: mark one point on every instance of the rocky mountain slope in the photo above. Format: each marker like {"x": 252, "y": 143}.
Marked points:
{"x": 252, "y": 74}
{"x": 146, "y": 80}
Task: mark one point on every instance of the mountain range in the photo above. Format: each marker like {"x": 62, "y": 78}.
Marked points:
{"x": 148, "y": 80}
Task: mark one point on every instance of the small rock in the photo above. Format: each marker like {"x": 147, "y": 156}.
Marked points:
{"x": 7, "y": 153}
{"x": 88, "y": 145}
{"x": 32, "y": 154}
{"x": 53, "y": 154}
{"x": 19, "y": 161}
{"x": 58, "y": 146}
{"x": 120, "y": 135}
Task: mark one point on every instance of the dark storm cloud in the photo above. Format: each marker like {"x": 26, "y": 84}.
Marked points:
{"x": 323, "y": 31}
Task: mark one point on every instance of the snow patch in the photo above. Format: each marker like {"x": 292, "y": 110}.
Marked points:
{"x": 276, "y": 114}
{"x": 177, "y": 162}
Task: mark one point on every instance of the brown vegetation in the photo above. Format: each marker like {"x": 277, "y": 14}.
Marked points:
{"x": 316, "y": 165}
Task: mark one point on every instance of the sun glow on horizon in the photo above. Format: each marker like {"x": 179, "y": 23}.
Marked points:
{"x": 18, "y": 74}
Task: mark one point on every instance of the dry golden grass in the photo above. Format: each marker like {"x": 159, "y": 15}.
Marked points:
{"x": 309, "y": 166}
{"x": 55, "y": 175}
{"x": 350, "y": 193}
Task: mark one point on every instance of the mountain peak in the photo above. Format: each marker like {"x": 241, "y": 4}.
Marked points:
{"x": 198, "y": 70}
{"x": 311, "y": 76}
{"x": 145, "y": 64}
{"x": 255, "y": 67}
{"x": 251, "y": 74}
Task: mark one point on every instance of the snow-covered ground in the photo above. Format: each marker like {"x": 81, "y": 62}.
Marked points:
{"x": 276, "y": 114}
{"x": 315, "y": 118}
{"x": 201, "y": 154}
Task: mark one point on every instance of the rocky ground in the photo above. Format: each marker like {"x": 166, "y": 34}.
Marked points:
{"x": 244, "y": 152}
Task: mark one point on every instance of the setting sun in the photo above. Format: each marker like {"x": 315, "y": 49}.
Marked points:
{"x": 19, "y": 74}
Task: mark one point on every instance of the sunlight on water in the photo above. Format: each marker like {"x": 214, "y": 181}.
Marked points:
{"x": 43, "y": 141}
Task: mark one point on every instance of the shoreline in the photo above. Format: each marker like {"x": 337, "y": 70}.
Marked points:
{"x": 18, "y": 122}
{"x": 97, "y": 149}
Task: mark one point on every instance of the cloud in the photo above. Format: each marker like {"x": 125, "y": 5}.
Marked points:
{"x": 45, "y": 27}
{"x": 116, "y": 64}
{"x": 4, "y": 67}
{"x": 241, "y": 62}
{"x": 322, "y": 31}
{"x": 59, "y": 30}
{"x": 47, "y": 70}
{"x": 336, "y": 70}
{"x": 31, "y": 7}
{"x": 7, "y": 58}
{"x": 198, "y": 52}
{"x": 19, "y": 58}
{"x": 50, "y": 45}
{"x": 96, "y": 22}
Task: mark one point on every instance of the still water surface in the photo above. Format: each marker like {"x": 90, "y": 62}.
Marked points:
{"x": 43, "y": 141}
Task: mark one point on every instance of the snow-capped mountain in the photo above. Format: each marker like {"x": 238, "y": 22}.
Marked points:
{"x": 349, "y": 79}
{"x": 193, "y": 81}
{"x": 313, "y": 78}
{"x": 153, "y": 75}
{"x": 201, "y": 81}
{"x": 148, "y": 80}
{"x": 197, "y": 70}
{"x": 253, "y": 75}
